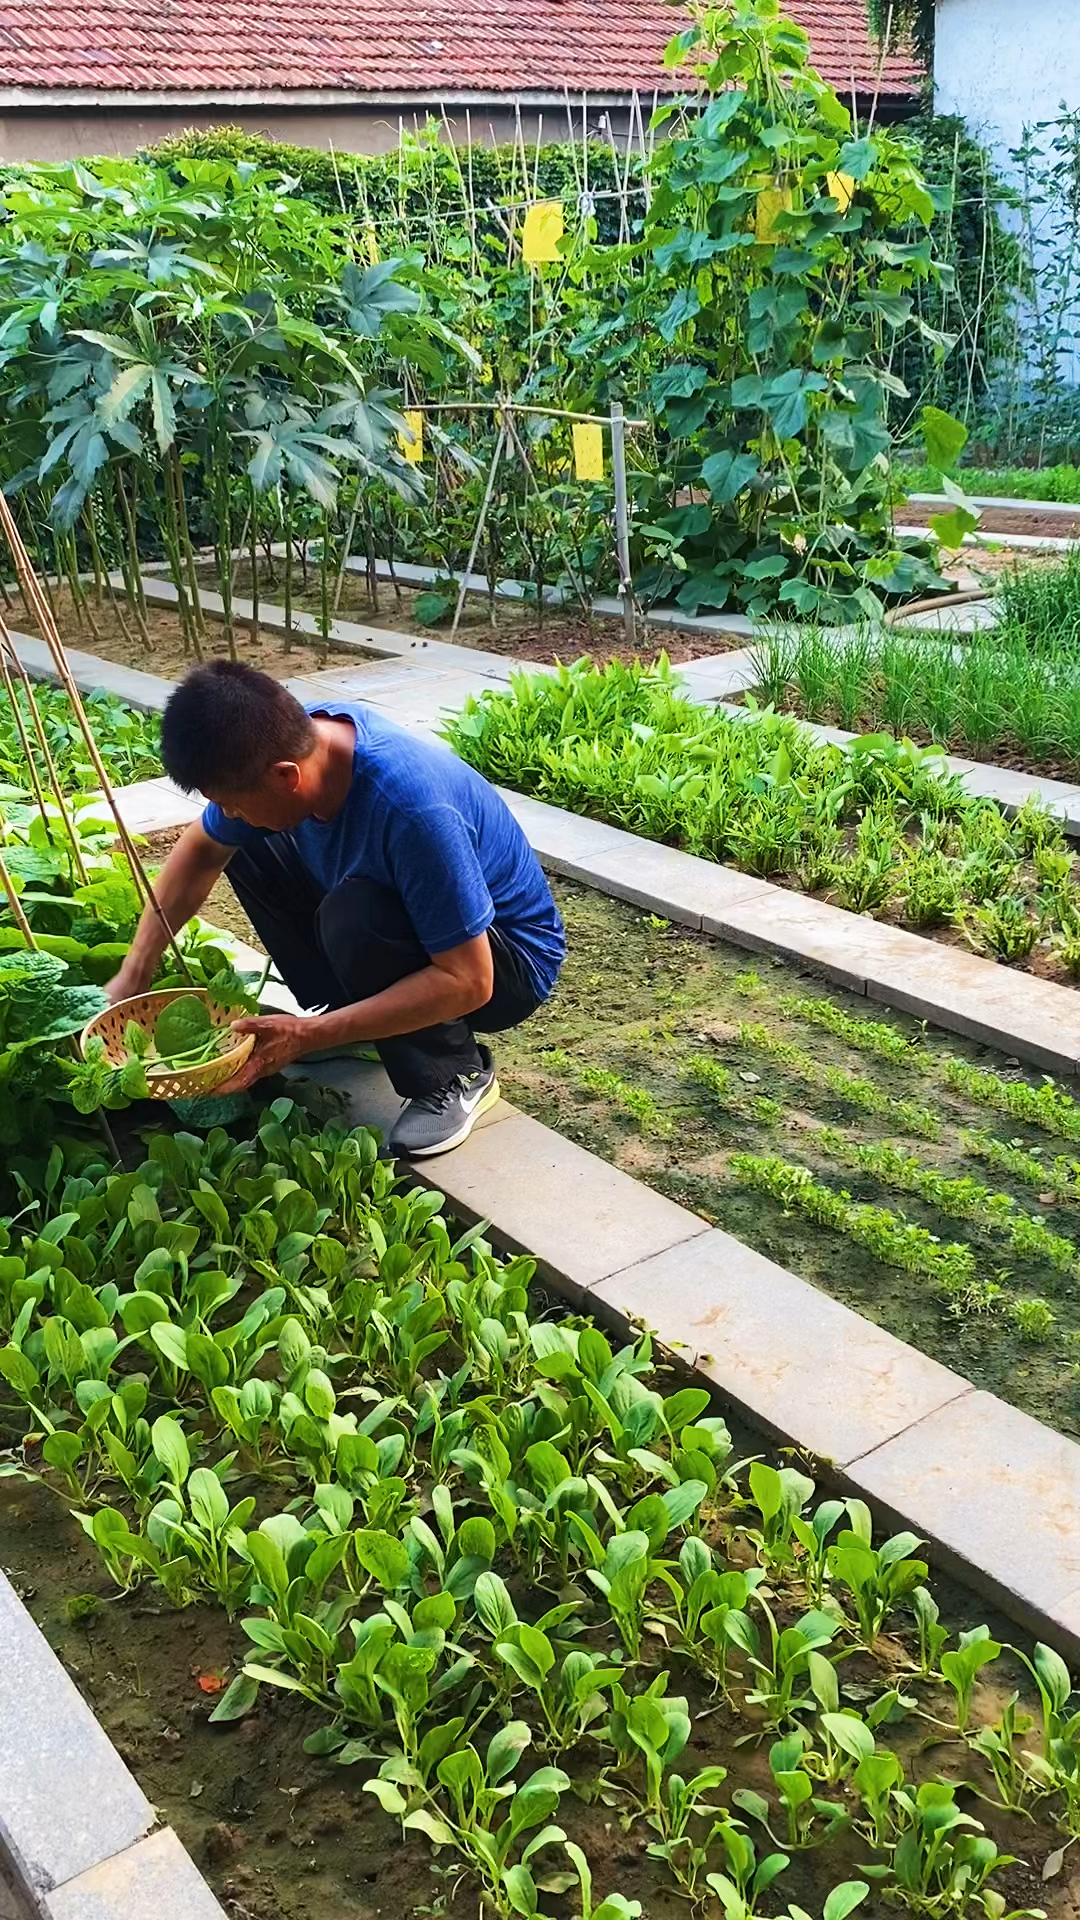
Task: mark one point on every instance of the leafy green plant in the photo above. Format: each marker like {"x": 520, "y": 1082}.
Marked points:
{"x": 869, "y": 1036}
{"x": 942, "y": 1855}
{"x": 1033, "y": 1319}
{"x": 476, "y": 1790}
{"x": 1045, "y": 1106}
{"x": 960, "y": 1666}
{"x": 964, "y": 1199}
{"x": 881, "y": 1232}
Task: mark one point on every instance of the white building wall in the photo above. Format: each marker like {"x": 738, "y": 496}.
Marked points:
{"x": 1003, "y": 64}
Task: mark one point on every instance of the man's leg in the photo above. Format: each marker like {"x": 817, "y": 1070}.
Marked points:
{"x": 447, "y": 1078}
{"x": 369, "y": 942}
{"x": 282, "y": 902}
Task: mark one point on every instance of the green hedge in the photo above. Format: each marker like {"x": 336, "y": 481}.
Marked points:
{"x": 427, "y": 185}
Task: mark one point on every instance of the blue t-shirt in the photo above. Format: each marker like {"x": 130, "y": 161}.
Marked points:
{"x": 419, "y": 820}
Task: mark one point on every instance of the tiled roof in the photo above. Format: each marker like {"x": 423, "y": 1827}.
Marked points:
{"x": 399, "y": 46}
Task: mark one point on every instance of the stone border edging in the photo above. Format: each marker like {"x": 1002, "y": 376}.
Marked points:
{"x": 351, "y": 636}
{"x": 994, "y": 1491}
{"x": 994, "y": 500}
{"x": 79, "y": 1835}
{"x": 1029, "y": 542}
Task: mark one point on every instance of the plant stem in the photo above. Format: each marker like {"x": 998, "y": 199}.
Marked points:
{"x": 253, "y": 525}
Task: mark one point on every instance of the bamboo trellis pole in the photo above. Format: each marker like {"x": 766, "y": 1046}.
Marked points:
{"x": 9, "y": 653}
{"x": 16, "y": 905}
{"x": 47, "y": 627}
{"x": 20, "y": 728}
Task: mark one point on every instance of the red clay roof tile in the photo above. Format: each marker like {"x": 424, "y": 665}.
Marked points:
{"x": 410, "y": 46}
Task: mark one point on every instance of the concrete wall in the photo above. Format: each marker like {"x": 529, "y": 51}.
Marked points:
{"x": 67, "y": 133}
{"x": 1003, "y": 64}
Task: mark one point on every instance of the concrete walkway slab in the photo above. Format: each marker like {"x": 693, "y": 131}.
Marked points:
{"x": 1012, "y": 790}
{"x": 975, "y": 616}
{"x": 580, "y": 1218}
{"x": 982, "y": 999}
{"x": 565, "y": 840}
{"x": 997, "y": 1495}
{"x": 146, "y": 691}
{"x": 675, "y": 884}
{"x": 67, "y": 1801}
{"x": 718, "y": 676}
{"x": 773, "y": 1344}
{"x": 156, "y": 1880}
{"x": 844, "y": 947}
{"x": 153, "y": 806}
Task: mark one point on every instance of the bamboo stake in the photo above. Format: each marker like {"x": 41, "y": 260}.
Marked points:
{"x": 479, "y": 533}
{"x": 20, "y": 727}
{"x": 31, "y": 588}
{"x": 9, "y": 652}
{"x": 16, "y": 905}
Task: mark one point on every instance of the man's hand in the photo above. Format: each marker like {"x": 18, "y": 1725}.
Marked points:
{"x": 134, "y": 977}
{"x": 279, "y": 1039}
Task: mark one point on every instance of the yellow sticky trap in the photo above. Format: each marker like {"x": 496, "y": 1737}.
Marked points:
{"x": 372, "y": 244}
{"x": 411, "y": 441}
{"x": 544, "y": 227}
{"x": 841, "y": 188}
{"x": 588, "y": 450}
{"x": 771, "y": 203}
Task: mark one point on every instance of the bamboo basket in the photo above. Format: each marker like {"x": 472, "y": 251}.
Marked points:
{"x": 144, "y": 1008}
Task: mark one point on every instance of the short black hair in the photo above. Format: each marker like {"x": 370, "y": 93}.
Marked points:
{"x": 227, "y": 724}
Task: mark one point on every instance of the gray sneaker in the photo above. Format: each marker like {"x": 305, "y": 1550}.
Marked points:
{"x": 435, "y": 1122}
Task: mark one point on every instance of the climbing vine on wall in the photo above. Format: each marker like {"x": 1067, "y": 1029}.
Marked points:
{"x": 900, "y": 23}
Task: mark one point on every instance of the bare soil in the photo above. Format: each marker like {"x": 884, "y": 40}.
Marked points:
{"x": 222, "y": 907}
{"x": 167, "y": 654}
{"x": 998, "y": 519}
{"x": 503, "y": 626}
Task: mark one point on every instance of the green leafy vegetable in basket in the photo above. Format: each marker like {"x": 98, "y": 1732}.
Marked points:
{"x": 183, "y": 1034}
{"x": 184, "y": 1037}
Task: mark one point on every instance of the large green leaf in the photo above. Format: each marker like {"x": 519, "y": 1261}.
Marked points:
{"x": 683, "y": 307}
{"x": 373, "y": 294}
{"x": 726, "y": 474}
{"x": 943, "y": 437}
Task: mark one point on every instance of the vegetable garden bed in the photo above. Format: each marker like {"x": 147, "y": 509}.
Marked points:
{"x": 498, "y": 1588}
{"x": 161, "y": 648}
{"x": 127, "y": 741}
{"x": 497, "y": 626}
{"x": 878, "y": 827}
{"x": 729, "y": 1089}
{"x": 1009, "y": 695}
{"x": 1058, "y": 483}
{"x": 989, "y": 698}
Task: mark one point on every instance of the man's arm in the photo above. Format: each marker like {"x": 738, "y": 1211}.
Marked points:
{"x": 455, "y": 984}
{"x": 182, "y": 886}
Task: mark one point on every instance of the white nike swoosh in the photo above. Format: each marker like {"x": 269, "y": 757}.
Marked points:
{"x": 469, "y": 1101}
